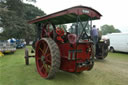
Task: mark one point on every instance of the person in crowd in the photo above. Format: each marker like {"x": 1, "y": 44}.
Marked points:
{"x": 94, "y": 34}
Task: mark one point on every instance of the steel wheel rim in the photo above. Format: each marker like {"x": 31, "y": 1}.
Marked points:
{"x": 43, "y": 58}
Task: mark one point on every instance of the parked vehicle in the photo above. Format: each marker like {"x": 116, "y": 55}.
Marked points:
{"x": 6, "y": 47}
{"x": 118, "y": 42}
{"x": 20, "y": 43}
{"x": 58, "y": 49}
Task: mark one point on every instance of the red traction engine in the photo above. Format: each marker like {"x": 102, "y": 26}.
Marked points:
{"x": 59, "y": 49}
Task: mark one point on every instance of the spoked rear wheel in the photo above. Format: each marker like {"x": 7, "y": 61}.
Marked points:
{"x": 47, "y": 58}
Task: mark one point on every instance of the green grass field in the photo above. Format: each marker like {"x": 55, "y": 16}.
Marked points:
{"x": 111, "y": 71}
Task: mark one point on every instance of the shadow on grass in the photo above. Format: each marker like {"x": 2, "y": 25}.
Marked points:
{"x": 122, "y": 52}
{"x": 69, "y": 78}
{"x": 101, "y": 60}
{"x": 119, "y": 52}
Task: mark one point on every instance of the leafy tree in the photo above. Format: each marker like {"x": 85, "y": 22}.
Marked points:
{"x": 15, "y": 23}
{"x": 32, "y": 11}
{"x": 16, "y": 6}
{"x": 109, "y": 29}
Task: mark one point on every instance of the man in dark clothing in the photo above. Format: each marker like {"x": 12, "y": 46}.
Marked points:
{"x": 94, "y": 34}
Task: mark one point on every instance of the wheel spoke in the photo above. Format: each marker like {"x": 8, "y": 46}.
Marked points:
{"x": 48, "y": 59}
{"x": 48, "y": 68}
{"x": 46, "y": 50}
{"x": 41, "y": 50}
{"x": 42, "y": 68}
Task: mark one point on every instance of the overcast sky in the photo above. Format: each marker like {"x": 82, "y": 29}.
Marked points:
{"x": 115, "y": 12}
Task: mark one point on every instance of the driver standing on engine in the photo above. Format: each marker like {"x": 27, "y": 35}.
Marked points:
{"x": 94, "y": 34}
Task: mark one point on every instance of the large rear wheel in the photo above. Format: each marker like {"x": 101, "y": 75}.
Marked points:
{"x": 47, "y": 58}
{"x": 103, "y": 52}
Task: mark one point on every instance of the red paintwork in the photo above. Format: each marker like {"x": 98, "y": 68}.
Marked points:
{"x": 70, "y": 65}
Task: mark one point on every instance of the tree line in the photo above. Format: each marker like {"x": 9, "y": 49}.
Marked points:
{"x": 105, "y": 29}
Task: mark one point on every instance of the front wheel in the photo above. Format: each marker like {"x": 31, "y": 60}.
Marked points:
{"x": 47, "y": 58}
